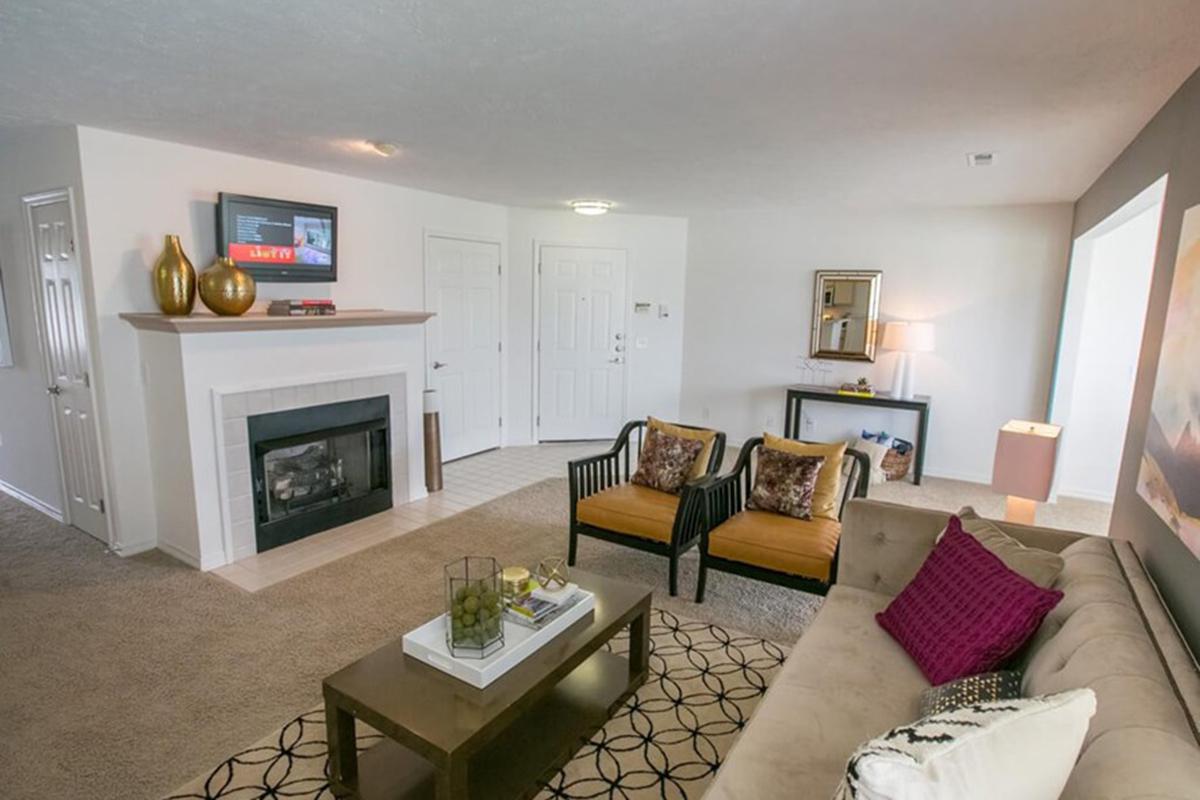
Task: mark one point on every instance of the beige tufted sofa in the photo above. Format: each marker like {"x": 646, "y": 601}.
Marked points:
{"x": 847, "y": 680}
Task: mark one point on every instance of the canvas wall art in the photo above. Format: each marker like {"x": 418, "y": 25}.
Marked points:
{"x": 1169, "y": 476}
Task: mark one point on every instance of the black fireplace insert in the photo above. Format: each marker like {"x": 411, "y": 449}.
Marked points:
{"x": 319, "y": 467}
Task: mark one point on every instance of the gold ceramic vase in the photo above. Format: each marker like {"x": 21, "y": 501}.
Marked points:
{"x": 174, "y": 279}
{"x": 226, "y": 288}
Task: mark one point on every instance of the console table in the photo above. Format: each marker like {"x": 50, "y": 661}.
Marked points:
{"x": 796, "y": 395}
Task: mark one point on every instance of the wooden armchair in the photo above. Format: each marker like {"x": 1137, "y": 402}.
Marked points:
{"x": 605, "y": 505}
{"x": 801, "y": 554}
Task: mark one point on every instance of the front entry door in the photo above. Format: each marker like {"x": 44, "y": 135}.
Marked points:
{"x": 463, "y": 291}
{"x": 581, "y": 343}
{"x": 60, "y": 292}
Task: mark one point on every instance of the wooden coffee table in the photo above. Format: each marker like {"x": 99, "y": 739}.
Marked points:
{"x": 447, "y": 739}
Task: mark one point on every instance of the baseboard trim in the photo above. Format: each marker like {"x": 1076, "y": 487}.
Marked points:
{"x": 31, "y": 501}
{"x": 133, "y": 548}
{"x": 179, "y": 553}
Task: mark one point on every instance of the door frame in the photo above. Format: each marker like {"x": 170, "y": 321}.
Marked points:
{"x": 536, "y": 400}
{"x": 501, "y": 313}
{"x": 30, "y": 202}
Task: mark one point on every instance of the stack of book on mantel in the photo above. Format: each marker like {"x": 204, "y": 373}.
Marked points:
{"x": 301, "y": 308}
{"x": 538, "y": 607}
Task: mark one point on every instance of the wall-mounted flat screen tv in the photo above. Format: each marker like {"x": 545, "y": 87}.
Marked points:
{"x": 277, "y": 240}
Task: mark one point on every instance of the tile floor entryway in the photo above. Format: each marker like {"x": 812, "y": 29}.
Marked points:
{"x": 468, "y": 482}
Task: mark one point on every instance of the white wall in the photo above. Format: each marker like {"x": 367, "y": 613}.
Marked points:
{"x": 1104, "y": 314}
{"x": 989, "y": 278}
{"x": 139, "y": 189}
{"x": 657, "y": 261}
{"x": 31, "y": 160}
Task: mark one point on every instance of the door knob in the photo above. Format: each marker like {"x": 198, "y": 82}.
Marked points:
{"x": 439, "y": 365}
{"x": 54, "y": 390}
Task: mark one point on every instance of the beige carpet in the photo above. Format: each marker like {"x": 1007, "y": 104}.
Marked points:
{"x": 124, "y": 678}
{"x": 667, "y": 741}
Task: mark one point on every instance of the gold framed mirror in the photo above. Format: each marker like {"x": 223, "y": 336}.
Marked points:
{"x": 846, "y": 315}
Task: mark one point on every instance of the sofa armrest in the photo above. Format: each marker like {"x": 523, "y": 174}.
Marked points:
{"x": 884, "y": 544}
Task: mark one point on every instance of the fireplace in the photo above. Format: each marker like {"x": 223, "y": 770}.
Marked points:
{"x": 318, "y": 467}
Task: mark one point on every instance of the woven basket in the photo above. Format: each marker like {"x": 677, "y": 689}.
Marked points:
{"x": 896, "y": 466}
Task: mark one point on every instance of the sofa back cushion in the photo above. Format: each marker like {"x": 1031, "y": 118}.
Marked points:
{"x": 1141, "y": 743}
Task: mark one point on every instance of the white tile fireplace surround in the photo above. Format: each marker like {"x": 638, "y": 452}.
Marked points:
{"x": 233, "y": 408}
{"x": 201, "y": 386}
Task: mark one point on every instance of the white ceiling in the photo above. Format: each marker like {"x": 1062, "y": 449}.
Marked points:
{"x": 664, "y": 106}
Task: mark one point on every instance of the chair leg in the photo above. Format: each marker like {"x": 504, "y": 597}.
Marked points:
{"x": 571, "y": 547}
{"x": 700, "y": 579}
{"x": 674, "y": 576}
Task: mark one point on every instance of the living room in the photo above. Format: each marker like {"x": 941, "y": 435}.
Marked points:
{"x": 948, "y": 245}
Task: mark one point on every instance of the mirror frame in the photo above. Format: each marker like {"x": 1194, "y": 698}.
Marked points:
{"x": 875, "y": 278}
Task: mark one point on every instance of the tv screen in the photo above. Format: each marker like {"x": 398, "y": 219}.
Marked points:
{"x": 275, "y": 240}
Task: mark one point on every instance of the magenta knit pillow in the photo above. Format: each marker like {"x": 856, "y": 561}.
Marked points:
{"x": 965, "y": 611}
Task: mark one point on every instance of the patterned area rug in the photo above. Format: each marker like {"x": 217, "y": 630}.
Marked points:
{"x": 665, "y": 742}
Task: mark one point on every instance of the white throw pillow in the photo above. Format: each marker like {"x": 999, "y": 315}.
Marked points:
{"x": 875, "y": 452}
{"x": 1002, "y": 750}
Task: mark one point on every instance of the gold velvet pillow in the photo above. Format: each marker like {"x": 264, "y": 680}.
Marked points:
{"x": 825, "y": 495}
{"x": 709, "y": 438}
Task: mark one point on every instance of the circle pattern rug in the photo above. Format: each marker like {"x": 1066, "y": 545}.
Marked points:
{"x": 666, "y": 741}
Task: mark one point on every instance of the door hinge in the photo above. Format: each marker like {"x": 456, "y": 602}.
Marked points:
{"x": 500, "y": 421}
{"x": 87, "y": 381}
{"x": 499, "y": 347}
{"x": 101, "y": 505}
{"x": 498, "y": 268}
{"x": 539, "y": 345}
{"x": 539, "y": 268}
{"x": 539, "y": 419}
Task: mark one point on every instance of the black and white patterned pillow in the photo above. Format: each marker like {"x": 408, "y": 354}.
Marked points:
{"x": 1003, "y": 749}
{"x": 983, "y": 688}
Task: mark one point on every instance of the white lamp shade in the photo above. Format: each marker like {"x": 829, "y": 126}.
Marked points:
{"x": 908, "y": 337}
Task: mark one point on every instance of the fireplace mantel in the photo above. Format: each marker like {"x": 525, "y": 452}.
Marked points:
{"x": 258, "y": 321}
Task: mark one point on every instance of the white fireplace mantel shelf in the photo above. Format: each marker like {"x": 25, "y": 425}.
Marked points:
{"x": 259, "y": 321}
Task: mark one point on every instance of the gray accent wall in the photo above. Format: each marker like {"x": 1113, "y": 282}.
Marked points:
{"x": 1169, "y": 144}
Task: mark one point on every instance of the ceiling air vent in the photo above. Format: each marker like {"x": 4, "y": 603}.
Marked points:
{"x": 980, "y": 159}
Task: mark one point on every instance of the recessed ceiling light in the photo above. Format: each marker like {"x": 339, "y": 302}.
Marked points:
{"x": 980, "y": 159}
{"x": 591, "y": 208}
{"x": 385, "y": 149}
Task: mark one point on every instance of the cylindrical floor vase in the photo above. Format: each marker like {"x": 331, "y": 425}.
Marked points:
{"x": 433, "y": 441}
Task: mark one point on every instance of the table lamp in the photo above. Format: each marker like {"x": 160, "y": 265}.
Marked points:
{"x": 906, "y": 338}
{"x": 1024, "y": 466}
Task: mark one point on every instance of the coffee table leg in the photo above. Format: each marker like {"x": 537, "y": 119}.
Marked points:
{"x": 452, "y": 780}
{"x": 639, "y": 646}
{"x": 343, "y": 752}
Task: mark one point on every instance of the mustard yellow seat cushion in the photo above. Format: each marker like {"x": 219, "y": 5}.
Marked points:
{"x": 632, "y": 509}
{"x": 785, "y": 544}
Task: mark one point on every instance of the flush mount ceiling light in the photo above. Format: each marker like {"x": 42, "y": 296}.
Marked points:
{"x": 385, "y": 149}
{"x": 980, "y": 159}
{"x": 591, "y": 208}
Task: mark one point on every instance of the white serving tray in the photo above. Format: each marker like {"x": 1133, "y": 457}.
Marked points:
{"x": 428, "y": 643}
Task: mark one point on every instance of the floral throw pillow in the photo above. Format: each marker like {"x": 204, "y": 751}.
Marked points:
{"x": 666, "y": 461}
{"x": 784, "y": 483}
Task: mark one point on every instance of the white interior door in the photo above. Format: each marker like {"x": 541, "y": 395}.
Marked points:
{"x": 463, "y": 341}
{"x": 60, "y": 293}
{"x": 581, "y": 343}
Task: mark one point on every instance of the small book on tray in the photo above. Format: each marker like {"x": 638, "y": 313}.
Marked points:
{"x": 537, "y": 608}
